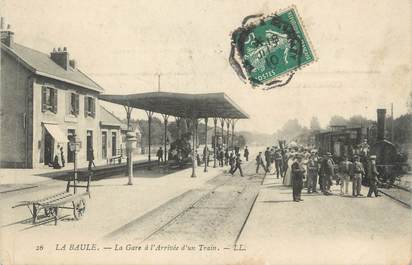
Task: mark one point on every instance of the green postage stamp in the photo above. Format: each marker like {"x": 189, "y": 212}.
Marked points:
{"x": 269, "y": 51}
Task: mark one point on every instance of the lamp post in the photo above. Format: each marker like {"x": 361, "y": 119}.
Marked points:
{"x": 130, "y": 141}
{"x": 75, "y": 147}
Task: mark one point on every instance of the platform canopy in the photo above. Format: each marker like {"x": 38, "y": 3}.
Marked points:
{"x": 181, "y": 104}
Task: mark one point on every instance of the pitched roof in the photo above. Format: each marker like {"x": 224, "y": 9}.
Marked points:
{"x": 109, "y": 119}
{"x": 43, "y": 65}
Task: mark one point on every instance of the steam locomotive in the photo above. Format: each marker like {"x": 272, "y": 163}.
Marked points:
{"x": 365, "y": 141}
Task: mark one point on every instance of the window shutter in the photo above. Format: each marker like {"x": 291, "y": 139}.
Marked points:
{"x": 43, "y": 99}
{"x": 77, "y": 104}
{"x": 86, "y": 105}
{"x": 93, "y": 107}
{"x": 68, "y": 102}
{"x": 55, "y": 100}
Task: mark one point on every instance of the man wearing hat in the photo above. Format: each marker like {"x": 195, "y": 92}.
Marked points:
{"x": 297, "y": 177}
{"x": 328, "y": 173}
{"x": 312, "y": 173}
{"x": 238, "y": 163}
{"x": 358, "y": 172}
{"x": 278, "y": 162}
{"x": 345, "y": 171}
{"x": 372, "y": 176}
{"x": 259, "y": 162}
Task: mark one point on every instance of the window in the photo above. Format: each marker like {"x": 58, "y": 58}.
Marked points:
{"x": 89, "y": 106}
{"x": 74, "y": 104}
{"x": 49, "y": 99}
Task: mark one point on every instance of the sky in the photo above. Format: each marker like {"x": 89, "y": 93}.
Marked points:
{"x": 363, "y": 49}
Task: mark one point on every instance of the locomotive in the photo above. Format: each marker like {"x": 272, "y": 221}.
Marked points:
{"x": 364, "y": 141}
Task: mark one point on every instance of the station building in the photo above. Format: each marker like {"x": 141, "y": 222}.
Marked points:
{"x": 45, "y": 101}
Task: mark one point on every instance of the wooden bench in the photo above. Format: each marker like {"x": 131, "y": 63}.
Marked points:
{"x": 52, "y": 204}
{"x": 118, "y": 157}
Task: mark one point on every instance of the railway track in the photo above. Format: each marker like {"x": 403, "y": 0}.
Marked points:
{"x": 398, "y": 194}
{"x": 213, "y": 213}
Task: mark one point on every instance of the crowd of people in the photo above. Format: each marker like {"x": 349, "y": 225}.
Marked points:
{"x": 305, "y": 168}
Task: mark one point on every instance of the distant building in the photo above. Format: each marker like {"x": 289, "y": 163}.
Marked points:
{"x": 45, "y": 101}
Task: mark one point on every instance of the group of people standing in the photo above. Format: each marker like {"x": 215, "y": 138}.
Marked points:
{"x": 308, "y": 169}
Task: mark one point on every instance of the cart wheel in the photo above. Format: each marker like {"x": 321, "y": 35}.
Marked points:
{"x": 49, "y": 212}
{"x": 79, "y": 209}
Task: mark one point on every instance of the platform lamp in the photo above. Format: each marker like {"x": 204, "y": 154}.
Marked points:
{"x": 75, "y": 147}
{"x": 130, "y": 142}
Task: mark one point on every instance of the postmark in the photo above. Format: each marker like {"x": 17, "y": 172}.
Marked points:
{"x": 268, "y": 52}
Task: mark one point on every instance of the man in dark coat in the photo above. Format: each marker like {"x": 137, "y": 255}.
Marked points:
{"x": 312, "y": 167}
{"x": 246, "y": 153}
{"x": 232, "y": 161}
{"x": 358, "y": 172}
{"x": 278, "y": 163}
{"x": 267, "y": 158}
{"x": 297, "y": 177}
{"x": 259, "y": 162}
{"x": 90, "y": 158}
{"x": 328, "y": 173}
{"x": 238, "y": 165}
{"x": 159, "y": 155}
{"x": 373, "y": 177}
{"x": 226, "y": 156}
{"x": 221, "y": 157}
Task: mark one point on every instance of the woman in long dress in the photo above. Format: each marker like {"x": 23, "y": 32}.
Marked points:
{"x": 287, "y": 180}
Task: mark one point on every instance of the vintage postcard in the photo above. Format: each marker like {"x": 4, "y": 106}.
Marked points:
{"x": 205, "y": 132}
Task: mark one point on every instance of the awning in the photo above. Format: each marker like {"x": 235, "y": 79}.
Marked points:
{"x": 56, "y": 132}
{"x": 182, "y": 105}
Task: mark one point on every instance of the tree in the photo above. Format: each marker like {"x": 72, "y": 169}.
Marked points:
{"x": 290, "y": 130}
{"x": 403, "y": 129}
{"x": 337, "y": 120}
{"x": 358, "y": 121}
{"x": 314, "y": 124}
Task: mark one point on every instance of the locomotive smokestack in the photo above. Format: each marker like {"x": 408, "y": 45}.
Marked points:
{"x": 381, "y": 124}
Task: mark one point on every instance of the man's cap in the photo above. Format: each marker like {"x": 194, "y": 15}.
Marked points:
{"x": 328, "y": 154}
{"x": 373, "y": 157}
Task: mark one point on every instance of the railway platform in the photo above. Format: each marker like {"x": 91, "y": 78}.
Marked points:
{"x": 16, "y": 179}
{"x": 236, "y": 218}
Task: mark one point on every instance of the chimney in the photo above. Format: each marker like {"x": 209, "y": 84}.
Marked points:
{"x": 380, "y": 135}
{"x": 6, "y": 35}
{"x": 72, "y": 64}
{"x": 61, "y": 57}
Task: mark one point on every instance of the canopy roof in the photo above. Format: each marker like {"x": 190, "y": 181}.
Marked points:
{"x": 181, "y": 104}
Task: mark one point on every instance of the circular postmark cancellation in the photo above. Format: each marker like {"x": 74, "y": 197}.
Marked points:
{"x": 268, "y": 52}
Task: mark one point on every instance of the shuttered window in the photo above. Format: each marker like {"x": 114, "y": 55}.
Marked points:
{"x": 89, "y": 106}
{"x": 74, "y": 104}
{"x": 49, "y": 99}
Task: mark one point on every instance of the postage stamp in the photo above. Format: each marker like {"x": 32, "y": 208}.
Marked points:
{"x": 267, "y": 53}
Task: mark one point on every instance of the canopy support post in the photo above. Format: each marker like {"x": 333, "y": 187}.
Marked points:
{"x": 193, "y": 120}
{"x": 178, "y": 119}
{"x": 128, "y": 115}
{"x": 227, "y": 133}
{"x": 206, "y": 150}
{"x": 233, "y": 131}
{"x": 222, "y": 124}
{"x": 129, "y": 163}
{"x": 149, "y": 121}
{"x": 214, "y": 142}
{"x": 165, "y": 118}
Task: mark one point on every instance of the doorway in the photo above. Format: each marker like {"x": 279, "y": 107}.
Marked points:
{"x": 48, "y": 148}
{"x": 114, "y": 144}
{"x": 89, "y": 141}
{"x": 104, "y": 144}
